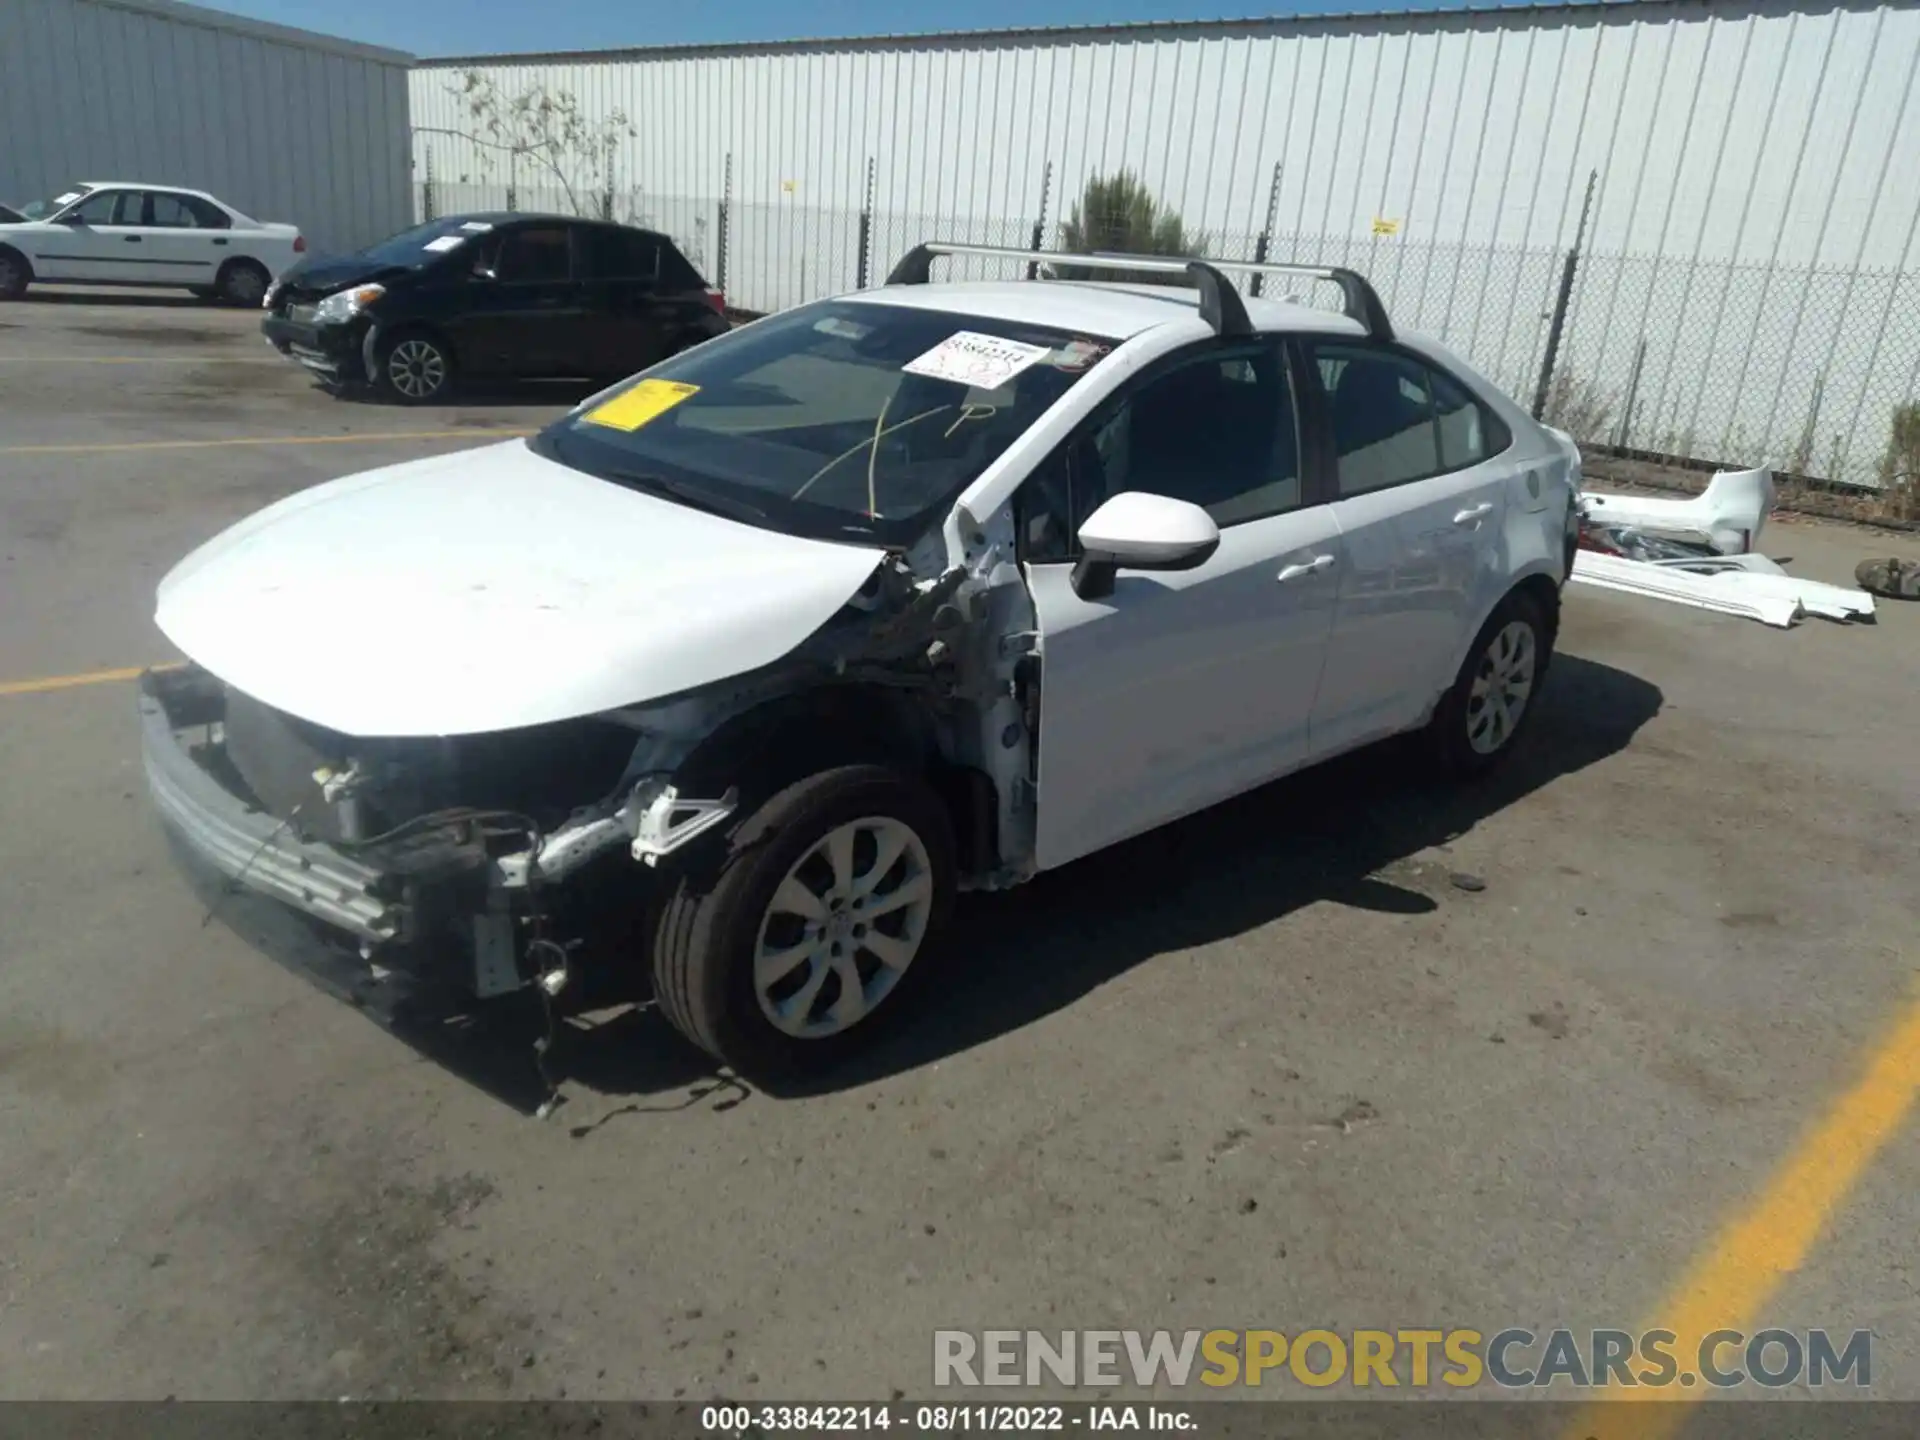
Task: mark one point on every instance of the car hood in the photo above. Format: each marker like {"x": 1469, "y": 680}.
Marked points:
{"x": 315, "y": 276}
{"x": 492, "y": 589}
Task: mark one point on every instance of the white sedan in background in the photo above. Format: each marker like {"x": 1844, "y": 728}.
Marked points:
{"x": 126, "y": 233}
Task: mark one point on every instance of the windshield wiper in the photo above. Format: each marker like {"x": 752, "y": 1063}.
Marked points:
{"x": 687, "y": 494}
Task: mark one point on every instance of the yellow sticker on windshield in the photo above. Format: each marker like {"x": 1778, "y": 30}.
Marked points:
{"x": 645, "y": 402}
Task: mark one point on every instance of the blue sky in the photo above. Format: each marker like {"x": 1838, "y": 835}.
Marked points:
{"x": 468, "y": 27}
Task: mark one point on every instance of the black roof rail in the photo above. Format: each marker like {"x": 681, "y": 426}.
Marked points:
{"x": 1220, "y": 303}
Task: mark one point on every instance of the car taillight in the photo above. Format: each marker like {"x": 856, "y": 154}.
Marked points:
{"x": 718, "y": 300}
{"x": 299, "y": 244}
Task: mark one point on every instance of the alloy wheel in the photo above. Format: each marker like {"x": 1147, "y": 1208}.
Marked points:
{"x": 417, "y": 369}
{"x": 843, "y": 927}
{"x": 244, "y": 286}
{"x": 1501, "y": 687}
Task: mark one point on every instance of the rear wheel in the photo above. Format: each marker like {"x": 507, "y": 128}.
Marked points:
{"x": 242, "y": 283}
{"x": 415, "y": 368}
{"x": 1481, "y": 718}
{"x": 806, "y": 939}
{"x": 15, "y": 274}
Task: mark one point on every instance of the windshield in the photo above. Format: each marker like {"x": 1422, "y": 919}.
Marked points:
{"x": 41, "y": 209}
{"x": 841, "y": 420}
{"x": 424, "y": 243}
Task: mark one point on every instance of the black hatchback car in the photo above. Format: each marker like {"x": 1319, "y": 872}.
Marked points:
{"x": 502, "y": 296}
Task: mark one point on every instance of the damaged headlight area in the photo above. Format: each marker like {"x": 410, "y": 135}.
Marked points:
{"x": 441, "y": 854}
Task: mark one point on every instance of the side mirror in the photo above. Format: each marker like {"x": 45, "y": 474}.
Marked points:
{"x": 68, "y": 217}
{"x": 1137, "y": 531}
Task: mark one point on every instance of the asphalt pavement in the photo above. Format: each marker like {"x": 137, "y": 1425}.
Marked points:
{"x": 1352, "y": 1051}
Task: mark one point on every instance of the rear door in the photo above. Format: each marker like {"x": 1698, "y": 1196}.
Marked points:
{"x": 1420, "y": 501}
{"x": 620, "y": 329}
{"x": 177, "y": 246}
{"x": 521, "y": 311}
{"x": 97, "y": 239}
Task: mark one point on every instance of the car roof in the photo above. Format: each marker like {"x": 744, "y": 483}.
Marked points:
{"x": 505, "y": 217}
{"x": 147, "y": 185}
{"x": 1114, "y": 311}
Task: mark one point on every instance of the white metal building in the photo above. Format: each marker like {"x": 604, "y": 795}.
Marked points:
{"x": 283, "y": 124}
{"x": 1747, "y": 288}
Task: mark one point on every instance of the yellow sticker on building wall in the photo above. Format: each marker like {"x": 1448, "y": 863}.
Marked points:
{"x": 645, "y": 402}
{"x": 1385, "y": 227}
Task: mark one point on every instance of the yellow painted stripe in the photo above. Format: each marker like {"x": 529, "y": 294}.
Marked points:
{"x": 367, "y": 439}
{"x": 73, "y": 682}
{"x": 141, "y": 360}
{"x": 1757, "y": 1249}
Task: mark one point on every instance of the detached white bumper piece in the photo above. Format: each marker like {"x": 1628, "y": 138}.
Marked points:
{"x": 1683, "y": 587}
{"x": 1728, "y": 515}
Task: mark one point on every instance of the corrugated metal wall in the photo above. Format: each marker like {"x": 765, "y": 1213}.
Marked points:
{"x": 1747, "y": 289}
{"x": 280, "y": 124}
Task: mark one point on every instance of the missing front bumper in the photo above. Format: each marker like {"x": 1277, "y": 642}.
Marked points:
{"x": 180, "y": 712}
{"x": 433, "y": 902}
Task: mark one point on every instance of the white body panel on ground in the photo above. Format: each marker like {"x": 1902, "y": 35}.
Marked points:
{"x": 1728, "y": 515}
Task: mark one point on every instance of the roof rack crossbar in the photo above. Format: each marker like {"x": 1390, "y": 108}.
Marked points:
{"x": 1220, "y": 303}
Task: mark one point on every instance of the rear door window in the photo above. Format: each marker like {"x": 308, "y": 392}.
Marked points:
{"x": 537, "y": 254}
{"x": 676, "y": 271}
{"x": 608, "y": 253}
{"x": 1381, "y": 410}
{"x": 170, "y": 211}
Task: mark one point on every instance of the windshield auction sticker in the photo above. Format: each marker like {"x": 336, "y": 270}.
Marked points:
{"x": 985, "y": 362}
{"x": 644, "y": 403}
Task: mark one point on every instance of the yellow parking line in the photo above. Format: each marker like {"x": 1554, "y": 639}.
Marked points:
{"x": 1757, "y": 1249}
{"x": 71, "y": 682}
{"x": 140, "y": 360}
{"x": 367, "y": 439}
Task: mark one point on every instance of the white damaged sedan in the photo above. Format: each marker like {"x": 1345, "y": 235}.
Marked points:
{"x": 779, "y": 645}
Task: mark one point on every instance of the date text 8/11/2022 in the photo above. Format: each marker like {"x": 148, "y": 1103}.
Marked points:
{"x": 741, "y": 1420}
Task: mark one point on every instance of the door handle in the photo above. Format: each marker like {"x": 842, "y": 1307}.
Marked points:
{"x": 131, "y": 239}
{"x": 1473, "y": 514}
{"x": 219, "y": 242}
{"x": 1310, "y": 567}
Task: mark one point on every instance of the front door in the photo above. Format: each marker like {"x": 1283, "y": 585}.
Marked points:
{"x": 1421, "y": 509}
{"x": 1180, "y": 688}
{"x": 97, "y": 239}
{"x": 521, "y": 314}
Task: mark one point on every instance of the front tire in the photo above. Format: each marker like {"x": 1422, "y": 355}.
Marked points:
{"x": 415, "y": 368}
{"x": 15, "y": 274}
{"x": 1481, "y": 718}
{"x": 808, "y": 937}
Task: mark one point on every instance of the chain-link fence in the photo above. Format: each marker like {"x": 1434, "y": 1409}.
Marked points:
{"x": 1806, "y": 370}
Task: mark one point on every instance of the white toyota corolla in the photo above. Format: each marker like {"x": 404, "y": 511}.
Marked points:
{"x": 780, "y": 644}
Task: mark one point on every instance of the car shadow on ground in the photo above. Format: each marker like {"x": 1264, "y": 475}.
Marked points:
{"x": 130, "y": 299}
{"x": 561, "y": 395}
{"x": 1322, "y": 835}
